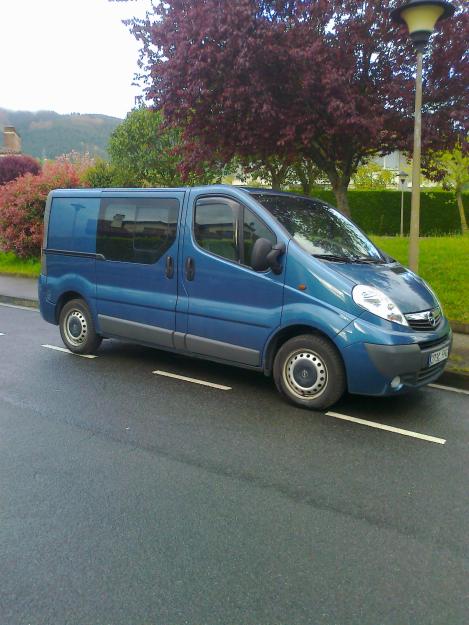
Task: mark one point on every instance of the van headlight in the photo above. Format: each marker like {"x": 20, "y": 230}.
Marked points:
{"x": 377, "y": 303}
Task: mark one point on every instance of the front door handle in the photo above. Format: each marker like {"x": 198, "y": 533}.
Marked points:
{"x": 169, "y": 269}
{"x": 190, "y": 268}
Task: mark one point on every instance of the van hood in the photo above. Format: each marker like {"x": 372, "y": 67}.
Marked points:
{"x": 404, "y": 287}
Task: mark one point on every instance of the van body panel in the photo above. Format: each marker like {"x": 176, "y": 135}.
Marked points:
{"x": 228, "y": 304}
{"x": 136, "y": 292}
{"x": 403, "y": 286}
{"x": 316, "y": 295}
{"x": 70, "y": 247}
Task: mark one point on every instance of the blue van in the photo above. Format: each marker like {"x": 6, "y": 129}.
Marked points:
{"x": 269, "y": 281}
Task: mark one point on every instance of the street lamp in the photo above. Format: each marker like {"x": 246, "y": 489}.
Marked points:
{"x": 420, "y": 16}
{"x": 402, "y": 178}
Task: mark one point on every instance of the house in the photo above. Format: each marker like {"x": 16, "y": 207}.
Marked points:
{"x": 11, "y": 142}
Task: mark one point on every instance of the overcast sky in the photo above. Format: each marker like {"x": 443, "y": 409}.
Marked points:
{"x": 68, "y": 55}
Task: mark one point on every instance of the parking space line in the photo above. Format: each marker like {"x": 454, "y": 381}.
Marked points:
{"x": 2, "y": 334}
{"x": 67, "y": 351}
{"x": 30, "y": 308}
{"x": 166, "y": 374}
{"x": 388, "y": 428}
{"x": 449, "y": 388}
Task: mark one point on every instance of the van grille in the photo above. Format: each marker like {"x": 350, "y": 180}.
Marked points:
{"x": 425, "y": 320}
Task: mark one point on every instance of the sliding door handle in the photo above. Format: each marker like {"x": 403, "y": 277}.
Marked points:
{"x": 190, "y": 268}
{"x": 169, "y": 269}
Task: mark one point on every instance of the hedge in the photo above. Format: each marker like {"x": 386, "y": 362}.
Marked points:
{"x": 379, "y": 212}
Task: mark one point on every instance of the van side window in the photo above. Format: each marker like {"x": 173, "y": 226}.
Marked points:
{"x": 136, "y": 230}
{"x": 72, "y": 224}
{"x": 155, "y": 230}
{"x": 215, "y": 226}
{"x": 253, "y": 229}
{"x": 226, "y": 228}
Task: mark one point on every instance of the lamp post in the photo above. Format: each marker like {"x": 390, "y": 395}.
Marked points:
{"x": 402, "y": 178}
{"x": 420, "y": 16}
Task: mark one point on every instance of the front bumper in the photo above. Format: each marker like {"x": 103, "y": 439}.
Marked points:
{"x": 371, "y": 366}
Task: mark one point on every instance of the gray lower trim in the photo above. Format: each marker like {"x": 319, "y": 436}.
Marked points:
{"x": 224, "y": 351}
{"x": 178, "y": 341}
{"x": 139, "y": 332}
{"x": 391, "y": 360}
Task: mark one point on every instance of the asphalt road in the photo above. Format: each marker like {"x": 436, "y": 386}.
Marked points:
{"x": 130, "y": 498}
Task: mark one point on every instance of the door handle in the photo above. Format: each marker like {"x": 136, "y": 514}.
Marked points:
{"x": 169, "y": 269}
{"x": 190, "y": 268}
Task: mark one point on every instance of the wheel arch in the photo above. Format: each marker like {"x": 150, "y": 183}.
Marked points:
{"x": 65, "y": 297}
{"x": 283, "y": 335}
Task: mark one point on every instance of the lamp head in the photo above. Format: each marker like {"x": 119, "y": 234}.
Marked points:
{"x": 420, "y": 16}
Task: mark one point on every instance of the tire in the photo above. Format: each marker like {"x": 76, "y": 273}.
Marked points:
{"x": 309, "y": 372}
{"x": 77, "y": 328}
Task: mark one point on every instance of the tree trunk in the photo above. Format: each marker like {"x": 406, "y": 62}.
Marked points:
{"x": 340, "y": 191}
{"x": 462, "y": 214}
{"x": 277, "y": 178}
{"x": 306, "y": 188}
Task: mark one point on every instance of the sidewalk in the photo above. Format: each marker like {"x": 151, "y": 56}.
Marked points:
{"x": 20, "y": 291}
{"x": 23, "y": 292}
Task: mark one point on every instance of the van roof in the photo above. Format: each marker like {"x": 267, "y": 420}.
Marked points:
{"x": 212, "y": 187}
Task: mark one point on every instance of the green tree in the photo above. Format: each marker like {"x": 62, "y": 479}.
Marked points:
{"x": 452, "y": 168}
{"x": 143, "y": 150}
{"x": 104, "y": 175}
{"x": 308, "y": 174}
{"x": 370, "y": 175}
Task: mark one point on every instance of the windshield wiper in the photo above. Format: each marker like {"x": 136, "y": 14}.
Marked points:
{"x": 334, "y": 257}
{"x": 368, "y": 259}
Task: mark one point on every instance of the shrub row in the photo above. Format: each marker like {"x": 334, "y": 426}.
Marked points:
{"x": 379, "y": 212}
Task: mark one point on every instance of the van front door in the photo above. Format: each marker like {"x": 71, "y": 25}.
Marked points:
{"x": 231, "y": 309}
{"x": 136, "y": 270}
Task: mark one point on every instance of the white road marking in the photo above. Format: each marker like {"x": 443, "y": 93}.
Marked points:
{"x": 389, "y": 428}
{"x": 449, "y": 388}
{"x": 67, "y": 351}
{"x": 193, "y": 380}
{"x": 30, "y": 308}
{"x": 2, "y": 333}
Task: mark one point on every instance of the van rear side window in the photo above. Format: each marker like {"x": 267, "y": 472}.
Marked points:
{"x": 136, "y": 230}
{"x": 72, "y": 224}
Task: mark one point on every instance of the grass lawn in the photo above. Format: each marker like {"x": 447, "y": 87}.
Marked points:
{"x": 444, "y": 264}
{"x": 12, "y": 265}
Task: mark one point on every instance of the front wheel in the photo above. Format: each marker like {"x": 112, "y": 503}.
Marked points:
{"x": 77, "y": 328}
{"x": 309, "y": 372}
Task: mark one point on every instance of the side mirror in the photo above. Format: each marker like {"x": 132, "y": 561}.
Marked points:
{"x": 265, "y": 256}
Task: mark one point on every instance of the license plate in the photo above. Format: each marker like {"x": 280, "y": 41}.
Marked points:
{"x": 436, "y": 357}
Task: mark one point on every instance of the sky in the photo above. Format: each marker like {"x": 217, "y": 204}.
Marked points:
{"x": 68, "y": 55}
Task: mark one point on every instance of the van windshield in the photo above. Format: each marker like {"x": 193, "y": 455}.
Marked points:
{"x": 320, "y": 229}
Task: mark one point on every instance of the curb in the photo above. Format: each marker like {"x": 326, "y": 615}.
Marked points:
{"x": 19, "y": 301}
{"x": 461, "y": 328}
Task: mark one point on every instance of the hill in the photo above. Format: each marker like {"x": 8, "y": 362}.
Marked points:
{"x": 46, "y": 134}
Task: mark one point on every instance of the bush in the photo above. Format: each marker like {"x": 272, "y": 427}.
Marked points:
{"x": 103, "y": 175}
{"x": 379, "y": 212}
{"x": 22, "y": 204}
{"x": 14, "y": 166}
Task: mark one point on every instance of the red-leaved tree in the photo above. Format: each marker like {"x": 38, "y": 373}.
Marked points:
{"x": 15, "y": 165}
{"x": 330, "y": 81}
{"x": 22, "y": 204}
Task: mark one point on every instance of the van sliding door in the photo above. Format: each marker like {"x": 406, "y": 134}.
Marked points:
{"x": 136, "y": 274}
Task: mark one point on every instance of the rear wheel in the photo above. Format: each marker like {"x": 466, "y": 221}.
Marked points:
{"x": 77, "y": 328}
{"x": 309, "y": 372}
